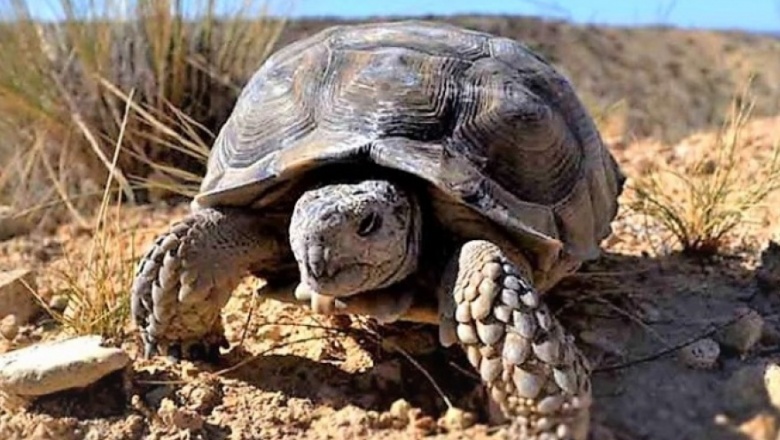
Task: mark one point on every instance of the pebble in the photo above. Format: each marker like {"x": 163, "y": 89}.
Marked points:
{"x": 743, "y": 334}
{"x": 180, "y": 418}
{"x": 16, "y": 297}
{"x": 456, "y": 419}
{"x": 702, "y": 354}
{"x": 9, "y": 327}
{"x": 399, "y": 410}
{"x": 50, "y": 367}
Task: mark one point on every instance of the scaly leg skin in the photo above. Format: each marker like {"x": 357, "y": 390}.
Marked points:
{"x": 186, "y": 278}
{"x": 532, "y": 369}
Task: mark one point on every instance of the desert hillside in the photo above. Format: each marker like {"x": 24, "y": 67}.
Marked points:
{"x": 661, "y": 82}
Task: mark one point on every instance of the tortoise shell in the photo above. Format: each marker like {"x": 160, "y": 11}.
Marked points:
{"x": 483, "y": 119}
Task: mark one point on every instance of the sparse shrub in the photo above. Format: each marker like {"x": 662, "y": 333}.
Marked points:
{"x": 703, "y": 203}
{"x": 63, "y": 87}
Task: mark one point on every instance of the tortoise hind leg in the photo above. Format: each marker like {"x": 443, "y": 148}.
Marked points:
{"x": 188, "y": 274}
{"x": 531, "y": 368}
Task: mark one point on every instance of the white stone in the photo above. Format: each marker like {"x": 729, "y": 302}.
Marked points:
{"x": 702, "y": 354}
{"x": 50, "y": 367}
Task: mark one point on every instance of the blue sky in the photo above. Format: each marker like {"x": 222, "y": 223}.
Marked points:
{"x": 760, "y": 15}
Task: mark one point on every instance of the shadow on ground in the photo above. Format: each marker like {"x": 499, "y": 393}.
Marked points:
{"x": 394, "y": 376}
{"x": 632, "y": 312}
{"x": 629, "y": 313}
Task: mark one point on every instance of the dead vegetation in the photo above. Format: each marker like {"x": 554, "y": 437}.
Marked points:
{"x": 64, "y": 85}
{"x": 96, "y": 287}
{"x": 714, "y": 192}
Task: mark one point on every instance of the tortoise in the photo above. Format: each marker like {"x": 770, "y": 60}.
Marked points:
{"x": 408, "y": 171}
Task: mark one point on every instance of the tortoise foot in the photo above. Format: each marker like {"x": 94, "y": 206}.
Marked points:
{"x": 533, "y": 371}
{"x": 185, "y": 279}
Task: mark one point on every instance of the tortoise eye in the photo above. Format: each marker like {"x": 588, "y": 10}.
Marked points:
{"x": 370, "y": 224}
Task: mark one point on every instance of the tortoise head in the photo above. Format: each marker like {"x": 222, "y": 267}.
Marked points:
{"x": 355, "y": 237}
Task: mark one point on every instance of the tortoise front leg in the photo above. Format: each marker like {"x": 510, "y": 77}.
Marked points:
{"x": 532, "y": 369}
{"x": 186, "y": 278}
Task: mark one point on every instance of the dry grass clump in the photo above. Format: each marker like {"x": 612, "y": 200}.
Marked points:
{"x": 96, "y": 283}
{"x": 702, "y": 203}
{"x": 63, "y": 87}
{"x": 102, "y": 109}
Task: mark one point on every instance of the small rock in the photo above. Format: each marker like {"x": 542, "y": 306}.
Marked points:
{"x": 772, "y": 384}
{"x": 180, "y": 418}
{"x": 385, "y": 421}
{"x": 202, "y": 397}
{"x": 132, "y": 427}
{"x": 9, "y": 327}
{"x": 16, "y": 297}
{"x": 702, "y": 354}
{"x": 425, "y": 424}
{"x": 456, "y": 419}
{"x": 400, "y": 410}
{"x": 743, "y": 334}
{"x": 55, "y": 366}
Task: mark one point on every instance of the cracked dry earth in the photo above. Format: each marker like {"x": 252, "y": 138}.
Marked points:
{"x": 291, "y": 374}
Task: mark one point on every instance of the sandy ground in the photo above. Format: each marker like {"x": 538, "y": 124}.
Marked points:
{"x": 290, "y": 374}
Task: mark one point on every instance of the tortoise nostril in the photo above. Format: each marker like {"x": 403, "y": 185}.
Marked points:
{"x": 315, "y": 261}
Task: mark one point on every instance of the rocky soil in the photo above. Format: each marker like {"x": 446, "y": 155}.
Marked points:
{"x": 683, "y": 348}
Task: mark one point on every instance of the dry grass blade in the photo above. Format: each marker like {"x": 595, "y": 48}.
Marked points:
{"x": 95, "y": 286}
{"x": 702, "y": 204}
{"x": 70, "y": 78}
